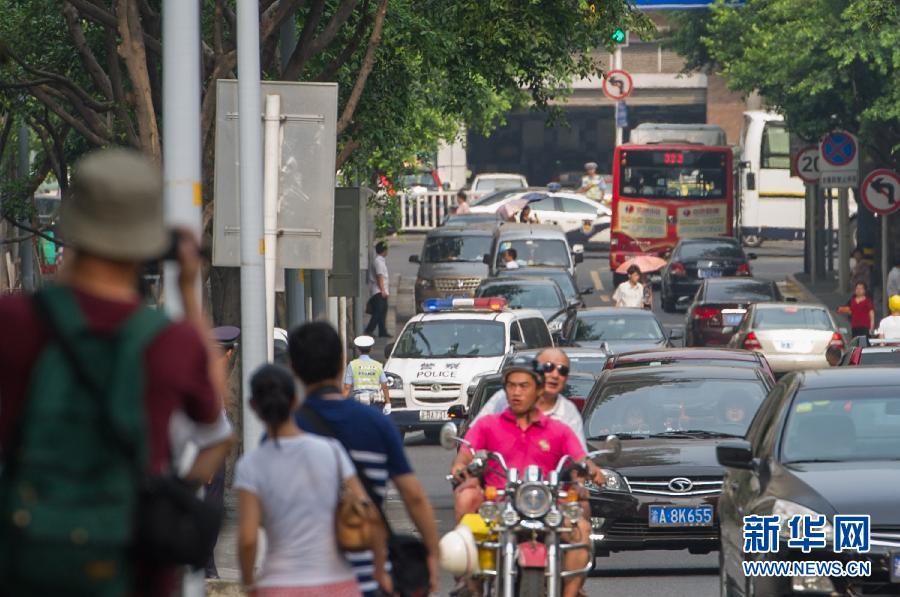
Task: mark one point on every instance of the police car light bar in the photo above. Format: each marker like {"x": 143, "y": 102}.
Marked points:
{"x": 449, "y": 304}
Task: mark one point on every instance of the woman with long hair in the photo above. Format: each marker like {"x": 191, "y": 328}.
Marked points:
{"x": 289, "y": 487}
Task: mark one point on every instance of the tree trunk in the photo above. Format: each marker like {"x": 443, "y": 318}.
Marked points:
{"x": 134, "y": 53}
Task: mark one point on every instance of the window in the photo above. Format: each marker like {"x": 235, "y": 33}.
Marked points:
{"x": 659, "y": 174}
{"x": 574, "y": 206}
{"x": 545, "y": 204}
{"x": 515, "y": 334}
{"x": 536, "y": 252}
{"x": 442, "y": 249}
{"x": 536, "y": 333}
{"x": 710, "y": 250}
{"x": 451, "y": 339}
{"x": 776, "y": 147}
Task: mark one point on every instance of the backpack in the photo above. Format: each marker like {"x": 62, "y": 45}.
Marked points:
{"x": 69, "y": 488}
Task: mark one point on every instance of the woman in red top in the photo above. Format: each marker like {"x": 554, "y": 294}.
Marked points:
{"x": 862, "y": 312}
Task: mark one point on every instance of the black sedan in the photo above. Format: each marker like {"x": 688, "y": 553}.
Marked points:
{"x": 826, "y": 444}
{"x": 720, "y": 305}
{"x": 616, "y": 329}
{"x": 525, "y": 293}
{"x": 661, "y": 491}
{"x": 560, "y": 275}
{"x": 697, "y": 259}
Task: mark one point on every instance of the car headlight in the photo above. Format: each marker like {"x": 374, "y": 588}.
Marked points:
{"x": 533, "y": 500}
{"x": 424, "y": 283}
{"x": 787, "y": 510}
{"x": 613, "y": 482}
{"x": 394, "y": 381}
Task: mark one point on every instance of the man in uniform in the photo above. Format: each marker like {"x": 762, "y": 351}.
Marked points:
{"x": 592, "y": 184}
{"x": 365, "y": 373}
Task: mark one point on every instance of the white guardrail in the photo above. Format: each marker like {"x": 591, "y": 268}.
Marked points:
{"x": 425, "y": 211}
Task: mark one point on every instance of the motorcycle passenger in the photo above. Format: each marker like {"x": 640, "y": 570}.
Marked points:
{"x": 524, "y": 436}
{"x": 365, "y": 373}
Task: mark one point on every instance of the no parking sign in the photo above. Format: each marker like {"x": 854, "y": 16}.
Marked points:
{"x": 839, "y": 163}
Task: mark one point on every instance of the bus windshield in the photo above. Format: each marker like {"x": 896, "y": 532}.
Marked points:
{"x": 673, "y": 174}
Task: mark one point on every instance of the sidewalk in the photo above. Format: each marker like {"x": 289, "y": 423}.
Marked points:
{"x": 825, "y": 291}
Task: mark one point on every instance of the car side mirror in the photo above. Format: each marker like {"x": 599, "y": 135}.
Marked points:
{"x": 588, "y": 290}
{"x": 457, "y": 411}
{"x": 518, "y": 345}
{"x": 388, "y": 350}
{"x": 578, "y": 258}
{"x": 752, "y": 256}
{"x": 414, "y": 259}
{"x": 751, "y": 181}
{"x": 736, "y": 454}
{"x": 486, "y": 259}
{"x": 676, "y": 334}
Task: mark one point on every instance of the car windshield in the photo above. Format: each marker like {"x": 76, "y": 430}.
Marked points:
{"x": 710, "y": 250}
{"x": 561, "y": 277}
{"x": 843, "y": 424}
{"x": 524, "y": 296}
{"x": 792, "y": 318}
{"x": 595, "y": 328}
{"x": 496, "y": 197}
{"x": 588, "y": 364}
{"x": 465, "y": 219}
{"x": 880, "y": 357}
{"x": 660, "y": 404}
{"x": 536, "y": 252}
{"x": 448, "y": 338}
{"x": 739, "y": 291}
{"x": 497, "y": 184}
{"x": 442, "y": 249}
{"x": 422, "y": 179}
{"x": 673, "y": 174}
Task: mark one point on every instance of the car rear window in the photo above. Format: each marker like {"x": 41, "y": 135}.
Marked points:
{"x": 741, "y": 363}
{"x": 711, "y": 250}
{"x": 792, "y": 318}
{"x": 880, "y": 357}
{"x": 740, "y": 291}
{"x": 523, "y": 296}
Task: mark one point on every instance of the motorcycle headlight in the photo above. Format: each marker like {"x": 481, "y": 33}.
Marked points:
{"x": 509, "y": 517}
{"x": 787, "y": 510}
{"x": 554, "y": 518}
{"x": 394, "y": 381}
{"x": 533, "y": 500}
{"x": 613, "y": 482}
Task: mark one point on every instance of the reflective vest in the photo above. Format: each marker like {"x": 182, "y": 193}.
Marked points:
{"x": 366, "y": 374}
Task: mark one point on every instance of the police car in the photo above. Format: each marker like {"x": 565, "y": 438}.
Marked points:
{"x": 440, "y": 351}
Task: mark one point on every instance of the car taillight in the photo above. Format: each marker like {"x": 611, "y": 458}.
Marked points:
{"x": 677, "y": 269}
{"x": 837, "y": 341}
{"x": 751, "y": 343}
{"x": 743, "y": 270}
{"x": 704, "y": 313}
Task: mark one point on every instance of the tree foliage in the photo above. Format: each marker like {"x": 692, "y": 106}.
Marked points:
{"x": 824, "y": 64}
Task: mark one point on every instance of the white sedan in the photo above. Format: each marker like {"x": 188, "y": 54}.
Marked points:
{"x": 791, "y": 336}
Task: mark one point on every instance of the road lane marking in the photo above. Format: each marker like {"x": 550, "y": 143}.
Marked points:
{"x": 598, "y": 283}
{"x": 604, "y": 298}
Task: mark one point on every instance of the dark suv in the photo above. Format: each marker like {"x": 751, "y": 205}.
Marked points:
{"x": 697, "y": 259}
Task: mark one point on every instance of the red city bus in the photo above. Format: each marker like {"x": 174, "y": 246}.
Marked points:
{"x": 664, "y": 192}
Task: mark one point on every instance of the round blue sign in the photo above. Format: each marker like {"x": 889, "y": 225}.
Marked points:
{"x": 838, "y": 148}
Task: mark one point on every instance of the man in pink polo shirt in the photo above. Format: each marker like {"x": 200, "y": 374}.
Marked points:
{"x": 524, "y": 436}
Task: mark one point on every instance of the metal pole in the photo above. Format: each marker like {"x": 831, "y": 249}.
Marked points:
{"x": 294, "y": 290}
{"x": 26, "y": 247}
{"x": 830, "y": 246}
{"x": 617, "y": 61}
{"x": 181, "y": 131}
{"x": 812, "y": 195}
{"x": 182, "y": 157}
{"x": 844, "y": 238}
{"x": 272, "y": 167}
{"x": 885, "y": 262}
{"x": 253, "y": 298}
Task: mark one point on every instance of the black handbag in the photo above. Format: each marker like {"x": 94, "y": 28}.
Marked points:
{"x": 407, "y": 553}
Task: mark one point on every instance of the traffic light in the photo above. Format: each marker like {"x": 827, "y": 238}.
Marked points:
{"x": 618, "y": 35}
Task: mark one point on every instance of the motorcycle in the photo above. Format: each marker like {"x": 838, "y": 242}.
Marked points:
{"x": 518, "y": 529}
{"x": 372, "y": 398}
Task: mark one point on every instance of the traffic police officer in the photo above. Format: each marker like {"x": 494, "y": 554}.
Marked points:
{"x": 365, "y": 373}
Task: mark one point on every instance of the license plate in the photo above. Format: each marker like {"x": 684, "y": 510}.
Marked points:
{"x": 786, "y": 345}
{"x": 895, "y": 567}
{"x": 732, "y": 318}
{"x": 681, "y": 516}
{"x": 433, "y": 415}
{"x": 709, "y": 273}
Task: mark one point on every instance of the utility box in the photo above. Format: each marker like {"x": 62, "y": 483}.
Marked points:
{"x": 306, "y": 180}
{"x": 352, "y": 236}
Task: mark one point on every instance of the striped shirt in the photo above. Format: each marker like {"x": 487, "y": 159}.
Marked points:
{"x": 377, "y": 452}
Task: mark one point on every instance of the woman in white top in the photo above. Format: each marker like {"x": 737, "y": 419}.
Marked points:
{"x": 630, "y": 293}
{"x": 289, "y": 486}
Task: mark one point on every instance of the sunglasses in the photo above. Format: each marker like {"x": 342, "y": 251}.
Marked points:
{"x": 548, "y": 367}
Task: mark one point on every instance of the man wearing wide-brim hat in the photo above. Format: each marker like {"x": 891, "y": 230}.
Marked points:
{"x": 111, "y": 220}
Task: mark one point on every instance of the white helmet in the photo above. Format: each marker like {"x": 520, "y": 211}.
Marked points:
{"x": 458, "y": 552}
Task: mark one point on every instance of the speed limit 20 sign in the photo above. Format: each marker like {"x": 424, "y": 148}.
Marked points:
{"x": 806, "y": 164}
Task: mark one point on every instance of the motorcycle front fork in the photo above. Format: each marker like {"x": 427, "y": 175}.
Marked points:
{"x": 510, "y": 564}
